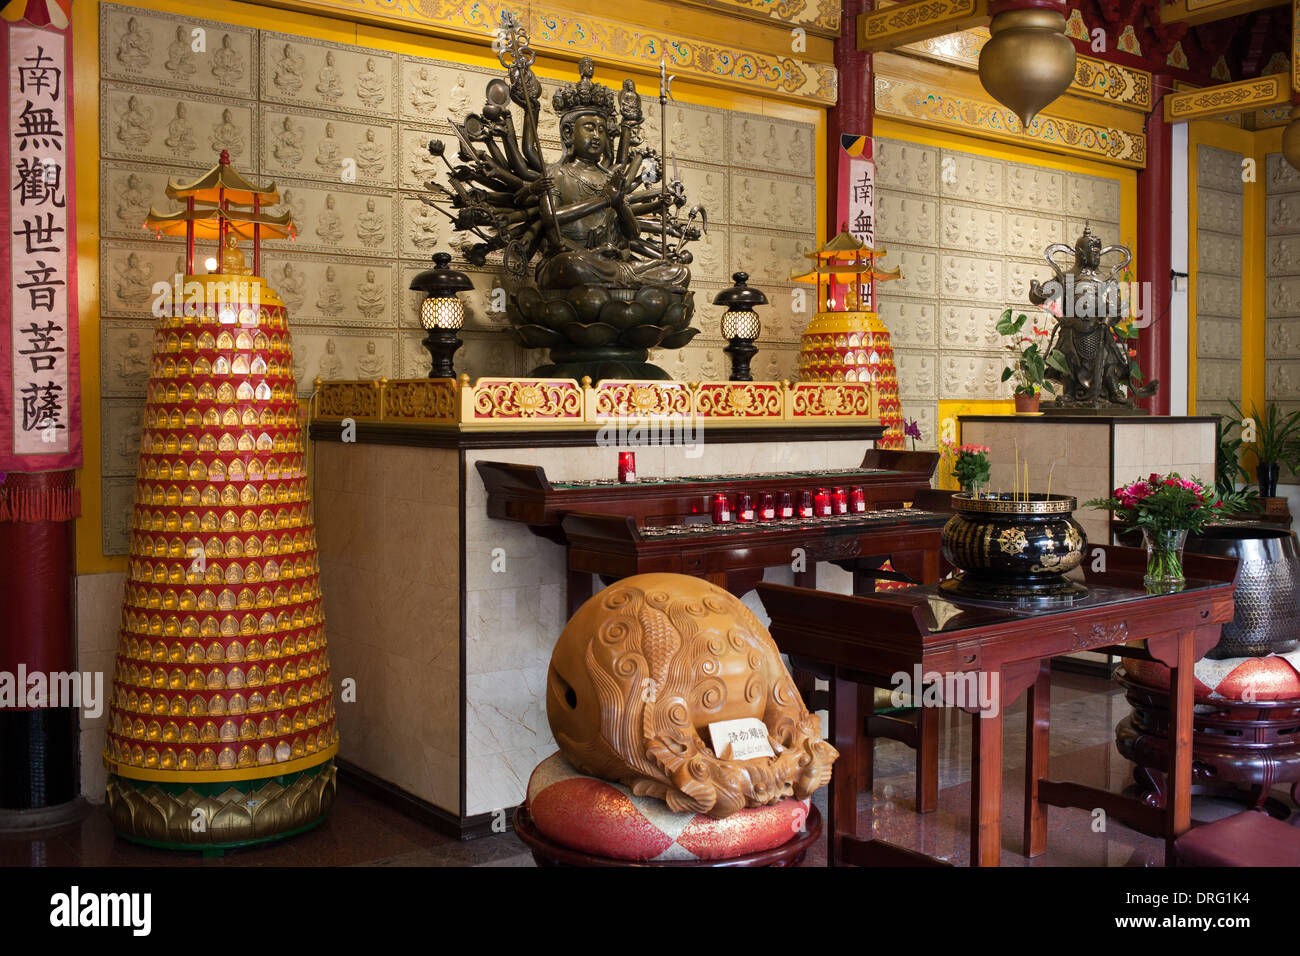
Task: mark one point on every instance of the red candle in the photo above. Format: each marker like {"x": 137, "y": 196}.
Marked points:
{"x": 787, "y": 506}
{"x": 767, "y": 510}
{"x": 822, "y": 503}
{"x": 857, "y": 501}
{"x": 744, "y": 508}
{"x": 721, "y": 509}
{"x": 841, "y": 501}
{"x": 627, "y": 467}
{"x": 805, "y": 504}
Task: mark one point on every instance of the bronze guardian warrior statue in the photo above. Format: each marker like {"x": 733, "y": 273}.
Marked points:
{"x": 1089, "y": 311}
{"x": 592, "y": 244}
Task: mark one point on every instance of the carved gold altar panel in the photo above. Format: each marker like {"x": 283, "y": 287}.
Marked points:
{"x": 1220, "y": 199}
{"x": 343, "y": 131}
{"x": 551, "y": 403}
{"x": 968, "y": 232}
{"x": 1282, "y": 283}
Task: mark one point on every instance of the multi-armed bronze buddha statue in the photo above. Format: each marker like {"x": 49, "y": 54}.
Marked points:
{"x": 592, "y": 244}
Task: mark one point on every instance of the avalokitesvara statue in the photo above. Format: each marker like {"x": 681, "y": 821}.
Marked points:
{"x": 1088, "y": 311}
{"x": 593, "y": 244}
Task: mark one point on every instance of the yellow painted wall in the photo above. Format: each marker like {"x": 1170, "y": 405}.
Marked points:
{"x": 1256, "y": 145}
{"x": 85, "y": 27}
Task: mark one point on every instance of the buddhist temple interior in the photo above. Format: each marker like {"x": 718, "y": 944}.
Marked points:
{"x": 673, "y": 433}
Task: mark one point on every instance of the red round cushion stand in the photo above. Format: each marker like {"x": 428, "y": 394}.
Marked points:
{"x": 571, "y": 819}
{"x": 1245, "y": 729}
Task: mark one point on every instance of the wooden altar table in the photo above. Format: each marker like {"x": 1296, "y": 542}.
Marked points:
{"x": 864, "y": 640}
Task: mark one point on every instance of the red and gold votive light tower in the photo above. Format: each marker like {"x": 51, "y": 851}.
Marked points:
{"x": 221, "y": 719}
{"x": 846, "y": 341}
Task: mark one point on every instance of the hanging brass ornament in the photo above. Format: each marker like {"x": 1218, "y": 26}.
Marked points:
{"x": 1291, "y": 140}
{"x": 1029, "y": 62}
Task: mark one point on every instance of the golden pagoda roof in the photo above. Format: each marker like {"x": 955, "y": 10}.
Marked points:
{"x": 207, "y": 223}
{"x": 845, "y": 246}
{"x": 223, "y": 182}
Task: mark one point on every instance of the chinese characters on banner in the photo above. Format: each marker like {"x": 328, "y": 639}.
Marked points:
{"x": 862, "y": 205}
{"x": 40, "y": 384}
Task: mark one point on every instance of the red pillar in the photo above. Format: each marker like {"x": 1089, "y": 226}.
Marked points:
{"x": 852, "y": 113}
{"x": 39, "y": 746}
{"x": 1154, "y": 204}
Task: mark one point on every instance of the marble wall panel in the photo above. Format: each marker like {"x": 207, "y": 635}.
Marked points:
{"x": 778, "y": 202}
{"x": 322, "y": 146}
{"x": 340, "y": 219}
{"x": 353, "y": 291}
{"x": 120, "y": 425}
{"x": 906, "y": 167}
{"x": 334, "y": 354}
{"x": 1282, "y": 177}
{"x": 911, "y": 323}
{"x": 147, "y": 47}
{"x": 1282, "y": 285}
{"x": 761, "y": 142}
{"x": 907, "y": 219}
{"x": 333, "y": 76}
{"x": 1283, "y": 212}
{"x": 162, "y": 126}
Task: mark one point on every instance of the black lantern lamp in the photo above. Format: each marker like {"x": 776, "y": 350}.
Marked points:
{"x": 740, "y": 325}
{"x": 441, "y": 313}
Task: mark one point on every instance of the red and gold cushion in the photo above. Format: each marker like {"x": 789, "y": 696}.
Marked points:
{"x": 606, "y": 819}
{"x": 1274, "y": 677}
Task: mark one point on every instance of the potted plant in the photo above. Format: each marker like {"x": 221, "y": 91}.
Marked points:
{"x": 1230, "y": 476}
{"x": 1277, "y": 442}
{"x": 970, "y": 464}
{"x": 1030, "y": 360}
{"x": 1165, "y": 507}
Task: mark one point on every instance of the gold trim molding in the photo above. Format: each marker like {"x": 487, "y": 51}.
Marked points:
{"x": 1094, "y": 79}
{"x": 903, "y": 23}
{"x": 942, "y": 110}
{"x": 818, "y": 17}
{"x": 559, "y": 403}
{"x": 574, "y": 35}
{"x": 1193, "y": 12}
{"x": 1264, "y": 91}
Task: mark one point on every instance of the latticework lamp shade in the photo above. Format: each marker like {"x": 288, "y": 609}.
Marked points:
{"x": 221, "y": 722}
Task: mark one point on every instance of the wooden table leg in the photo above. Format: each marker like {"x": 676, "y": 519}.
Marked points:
{"x": 986, "y": 789}
{"x": 866, "y": 743}
{"x": 846, "y": 731}
{"x": 1037, "y": 712}
{"x": 927, "y": 758}
{"x": 1178, "y": 809}
{"x": 807, "y": 579}
{"x": 579, "y": 589}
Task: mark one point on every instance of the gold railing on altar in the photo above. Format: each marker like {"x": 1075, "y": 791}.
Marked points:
{"x": 559, "y": 402}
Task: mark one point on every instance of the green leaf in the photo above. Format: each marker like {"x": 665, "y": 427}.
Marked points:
{"x": 1007, "y": 373}
{"x": 1056, "y": 359}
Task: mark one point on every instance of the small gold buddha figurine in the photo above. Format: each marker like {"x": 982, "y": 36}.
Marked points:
{"x": 232, "y": 260}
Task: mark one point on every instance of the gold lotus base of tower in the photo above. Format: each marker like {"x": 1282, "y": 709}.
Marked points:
{"x": 225, "y": 815}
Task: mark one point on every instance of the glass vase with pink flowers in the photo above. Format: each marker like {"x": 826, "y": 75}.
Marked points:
{"x": 1165, "y": 508}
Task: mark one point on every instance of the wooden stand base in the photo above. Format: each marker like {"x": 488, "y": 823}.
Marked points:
{"x": 1236, "y": 745}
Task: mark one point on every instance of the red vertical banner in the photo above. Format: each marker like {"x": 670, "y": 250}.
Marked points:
{"x": 40, "y": 381}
